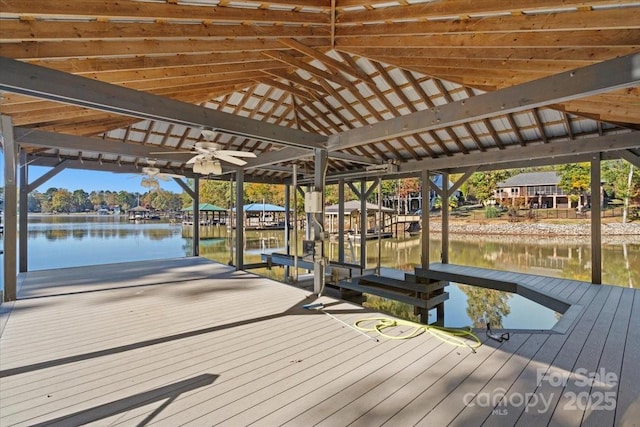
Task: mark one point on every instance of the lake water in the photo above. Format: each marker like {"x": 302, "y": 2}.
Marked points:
{"x": 68, "y": 241}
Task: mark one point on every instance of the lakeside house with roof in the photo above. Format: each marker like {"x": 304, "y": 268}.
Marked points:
{"x": 538, "y": 189}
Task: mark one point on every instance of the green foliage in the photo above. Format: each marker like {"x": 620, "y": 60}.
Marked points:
{"x": 62, "y": 201}
{"x": 482, "y": 185}
{"x": 218, "y": 193}
{"x": 394, "y": 308}
{"x": 486, "y": 305}
{"x": 576, "y": 177}
{"x": 615, "y": 173}
{"x": 491, "y": 212}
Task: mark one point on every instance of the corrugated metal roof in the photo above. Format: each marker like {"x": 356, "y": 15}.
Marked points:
{"x": 531, "y": 178}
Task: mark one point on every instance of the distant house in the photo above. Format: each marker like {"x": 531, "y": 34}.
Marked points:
{"x": 538, "y": 189}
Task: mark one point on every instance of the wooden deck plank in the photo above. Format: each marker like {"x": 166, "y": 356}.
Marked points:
{"x": 628, "y": 397}
{"x": 565, "y": 361}
{"x": 234, "y": 395}
{"x": 574, "y": 291}
{"x": 422, "y": 398}
{"x": 610, "y": 362}
{"x": 480, "y": 405}
{"x": 189, "y": 341}
{"x": 567, "y": 411}
{"x": 457, "y": 399}
{"x": 337, "y": 387}
{"x": 527, "y": 382}
{"x": 329, "y": 397}
{"x": 136, "y": 365}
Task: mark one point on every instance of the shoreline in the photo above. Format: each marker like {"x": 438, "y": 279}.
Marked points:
{"x": 612, "y": 233}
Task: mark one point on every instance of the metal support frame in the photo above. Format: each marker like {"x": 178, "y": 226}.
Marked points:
{"x": 10, "y": 209}
{"x": 444, "y": 255}
{"x": 425, "y": 188}
{"x": 196, "y": 216}
{"x": 341, "y": 255}
{"x": 23, "y": 216}
{"x": 239, "y": 219}
{"x": 319, "y": 261}
{"x": 596, "y": 221}
{"x": 287, "y": 223}
{"x": 363, "y": 223}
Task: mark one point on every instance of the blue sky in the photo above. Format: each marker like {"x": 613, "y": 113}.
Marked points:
{"x": 74, "y": 179}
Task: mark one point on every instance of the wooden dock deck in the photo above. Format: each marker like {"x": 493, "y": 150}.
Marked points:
{"x": 191, "y": 342}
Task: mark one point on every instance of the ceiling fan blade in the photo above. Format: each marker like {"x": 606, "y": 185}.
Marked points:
{"x": 172, "y": 152}
{"x": 229, "y": 159}
{"x": 163, "y": 176}
{"x": 198, "y": 158}
{"x": 236, "y": 153}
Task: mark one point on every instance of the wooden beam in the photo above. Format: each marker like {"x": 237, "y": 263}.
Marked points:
{"x": 587, "y": 38}
{"x": 163, "y": 10}
{"x": 589, "y": 54}
{"x": 144, "y": 62}
{"x": 297, "y": 63}
{"x": 498, "y": 159}
{"x": 451, "y": 8}
{"x": 36, "y": 81}
{"x": 325, "y": 59}
{"x": 567, "y": 20}
{"x": 591, "y": 80}
{"x": 40, "y": 29}
{"x": 83, "y": 48}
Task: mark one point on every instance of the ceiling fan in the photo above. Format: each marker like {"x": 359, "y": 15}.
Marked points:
{"x": 153, "y": 174}
{"x": 208, "y": 155}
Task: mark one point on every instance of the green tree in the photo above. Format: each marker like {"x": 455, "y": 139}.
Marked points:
{"x": 62, "y": 201}
{"x": 269, "y": 193}
{"x": 482, "y": 185}
{"x": 216, "y": 192}
{"x": 486, "y": 305}
{"x": 96, "y": 199}
{"x": 622, "y": 181}
{"x": 576, "y": 179}
{"x": 81, "y": 201}
{"x": 164, "y": 200}
{"x": 33, "y": 201}
{"x": 110, "y": 198}
{"x": 126, "y": 200}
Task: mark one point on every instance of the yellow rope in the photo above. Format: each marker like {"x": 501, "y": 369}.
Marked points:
{"x": 455, "y": 336}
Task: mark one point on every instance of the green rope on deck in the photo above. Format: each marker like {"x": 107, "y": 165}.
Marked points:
{"x": 459, "y": 337}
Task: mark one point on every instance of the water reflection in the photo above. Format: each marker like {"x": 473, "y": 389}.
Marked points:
{"x": 568, "y": 258}
{"x": 65, "y": 241}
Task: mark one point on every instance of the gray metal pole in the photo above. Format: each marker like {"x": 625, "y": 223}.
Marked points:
{"x": 287, "y": 221}
{"x": 363, "y": 224}
{"x": 196, "y": 216}
{"x": 23, "y": 207}
{"x": 239, "y": 219}
{"x": 10, "y": 209}
{"x": 596, "y": 222}
{"x": 426, "y": 206}
{"x": 445, "y": 218}
{"x": 341, "y": 255}
{"x": 319, "y": 262}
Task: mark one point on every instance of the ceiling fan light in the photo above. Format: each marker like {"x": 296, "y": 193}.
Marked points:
{"x": 206, "y": 167}
{"x": 208, "y": 134}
